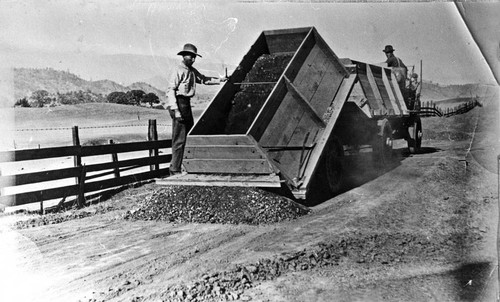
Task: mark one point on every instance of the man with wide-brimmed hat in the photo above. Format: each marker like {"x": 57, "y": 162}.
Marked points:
{"x": 398, "y": 67}
{"x": 181, "y": 89}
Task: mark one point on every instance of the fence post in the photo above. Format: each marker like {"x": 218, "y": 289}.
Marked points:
{"x": 42, "y": 210}
{"x": 81, "y": 190}
{"x": 78, "y": 163}
{"x": 153, "y": 136}
{"x": 114, "y": 158}
{"x": 76, "y": 142}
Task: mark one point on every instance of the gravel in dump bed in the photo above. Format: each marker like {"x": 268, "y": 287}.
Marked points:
{"x": 226, "y": 205}
{"x": 248, "y": 101}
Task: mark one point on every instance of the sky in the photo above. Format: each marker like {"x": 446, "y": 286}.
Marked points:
{"x": 223, "y": 31}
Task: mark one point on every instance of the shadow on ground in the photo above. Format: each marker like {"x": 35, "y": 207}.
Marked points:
{"x": 357, "y": 170}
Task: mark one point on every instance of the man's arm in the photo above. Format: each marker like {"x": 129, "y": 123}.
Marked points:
{"x": 202, "y": 79}
{"x": 172, "y": 90}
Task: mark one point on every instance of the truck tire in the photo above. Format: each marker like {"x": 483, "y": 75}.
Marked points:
{"x": 382, "y": 144}
{"x": 415, "y": 136}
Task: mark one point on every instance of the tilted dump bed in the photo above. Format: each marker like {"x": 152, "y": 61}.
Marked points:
{"x": 273, "y": 119}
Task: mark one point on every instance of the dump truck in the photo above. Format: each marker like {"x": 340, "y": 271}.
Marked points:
{"x": 289, "y": 112}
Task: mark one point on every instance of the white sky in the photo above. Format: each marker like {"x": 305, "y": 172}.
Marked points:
{"x": 224, "y": 31}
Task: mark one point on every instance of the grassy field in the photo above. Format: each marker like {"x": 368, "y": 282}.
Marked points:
{"x": 26, "y": 128}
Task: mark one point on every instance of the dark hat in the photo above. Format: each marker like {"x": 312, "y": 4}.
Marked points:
{"x": 388, "y": 48}
{"x": 189, "y": 48}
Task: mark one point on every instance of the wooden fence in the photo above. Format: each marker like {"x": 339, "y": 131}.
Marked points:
{"x": 84, "y": 182}
{"x": 430, "y": 108}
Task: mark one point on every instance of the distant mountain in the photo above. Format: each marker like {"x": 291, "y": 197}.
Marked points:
{"x": 27, "y": 80}
{"x": 436, "y": 92}
{"x": 123, "y": 69}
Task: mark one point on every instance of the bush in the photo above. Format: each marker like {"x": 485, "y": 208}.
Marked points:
{"x": 22, "y": 103}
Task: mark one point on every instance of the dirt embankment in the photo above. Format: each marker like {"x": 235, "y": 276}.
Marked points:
{"x": 424, "y": 230}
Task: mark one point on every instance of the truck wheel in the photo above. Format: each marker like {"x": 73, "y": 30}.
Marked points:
{"x": 333, "y": 165}
{"x": 415, "y": 139}
{"x": 382, "y": 145}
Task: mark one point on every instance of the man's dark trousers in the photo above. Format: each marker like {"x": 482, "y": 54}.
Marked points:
{"x": 180, "y": 129}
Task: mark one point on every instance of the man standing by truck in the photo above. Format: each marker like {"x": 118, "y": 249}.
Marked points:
{"x": 181, "y": 89}
{"x": 398, "y": 68}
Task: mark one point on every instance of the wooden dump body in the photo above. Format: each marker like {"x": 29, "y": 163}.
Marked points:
{"x": 273, "y": 119}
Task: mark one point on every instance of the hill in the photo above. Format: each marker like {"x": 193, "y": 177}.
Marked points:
{"x": 27, "y": 80}
{"x": 436, "y": 92}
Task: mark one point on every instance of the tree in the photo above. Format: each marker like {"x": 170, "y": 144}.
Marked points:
{"x": 39, "y": 98}
{"x": 117, "y": 97}
{"x": 135, "y": 96}
{"x": 22, "y": 103}
{"x": 151, "y": 98}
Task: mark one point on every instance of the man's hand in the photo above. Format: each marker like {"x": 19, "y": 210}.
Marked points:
{"x": 177, "y": 114}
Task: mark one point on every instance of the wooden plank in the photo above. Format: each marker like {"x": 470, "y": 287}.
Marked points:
{"x": 236, "y": 166}
{"x": 376, "y": 92}
{"x": 32, "y": 154}
{"x": 123, "y": 180}
{"x": 292, "y": 163}
{"x": 269, "y": 181}
{"x": 141, "y": 161}
{"x": 76, "y": 142}
{"x": 390, "y": 92}
{"x": 311, "y": 81}
{"x": 37, "y": 196}
{"x": 81, "y": 188}
{"x": 219, "y": 140}
{"x": 320, "y": 81}
{"x": 287, "y": 31}
{"x": 306, "y": 52}
{"x": 279, "y": 130}
{"x": 125, "y": 147}
{"x": 326, "y": 90}
{"x": 377, "y": 75}
{"x": 366, "y": 87}
{"x": 339, "y": 67}
{"x": 303, "y": 102}
{"x": 114, "y": 159}
{"x": 222, "y": 152}
{"x": 315, "y": 157}
{"x": 34, "y": 177}
{"x": 311, "y": 72}
{"x": 285, "y": 41}
{"x": 399, "y": 96}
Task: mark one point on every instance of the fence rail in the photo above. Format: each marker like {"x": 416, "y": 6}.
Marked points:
{"x": 430, "y": 108}
{"x": 85, "y": 183}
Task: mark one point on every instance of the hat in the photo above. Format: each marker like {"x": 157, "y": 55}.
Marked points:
{"x": 414, "y": 75}
{"x": 189, "y": 48}
{"x": 388, "y": 48}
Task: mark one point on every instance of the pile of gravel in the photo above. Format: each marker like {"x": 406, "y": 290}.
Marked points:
{"x": 247, "y": 102}
{"x": 233, "y": 205}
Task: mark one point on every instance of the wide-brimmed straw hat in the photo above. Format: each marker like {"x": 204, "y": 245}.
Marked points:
{"x": 189, "y": 49}
{"x": 388, "y": 48}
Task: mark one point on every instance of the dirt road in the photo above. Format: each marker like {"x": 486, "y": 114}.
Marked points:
{"x": 423, "y": 230}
